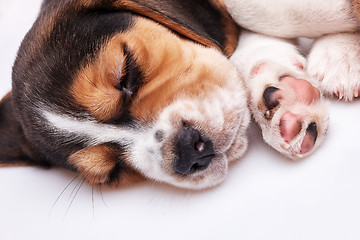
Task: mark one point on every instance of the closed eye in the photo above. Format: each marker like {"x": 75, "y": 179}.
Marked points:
{"x": 128, "y": 84}
{"x": 131, "y": 78}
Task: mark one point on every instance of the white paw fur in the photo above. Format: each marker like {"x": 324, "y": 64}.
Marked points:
{"x": 263, "y": 61}
{"x": 289, "y": 19}
{"x": 334, "y": 62}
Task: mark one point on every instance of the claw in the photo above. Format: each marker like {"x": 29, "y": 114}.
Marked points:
{"x": 356, "y": 93}
{"x": 341, "y": 95}
{"x": 267, "y": 114}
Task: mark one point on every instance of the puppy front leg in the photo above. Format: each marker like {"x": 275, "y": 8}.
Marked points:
{"x": 284, "y": 18}
{"x": 289, "y": 109}
{"x": 334, "y": 61}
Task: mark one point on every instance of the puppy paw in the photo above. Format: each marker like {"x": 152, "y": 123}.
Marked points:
{"x": 334, "y": 61}
{"x": 289, "y": 109}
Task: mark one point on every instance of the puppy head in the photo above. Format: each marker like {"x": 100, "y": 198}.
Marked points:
{"x": 177, "y": 109}
{"x": 291, "y": 111}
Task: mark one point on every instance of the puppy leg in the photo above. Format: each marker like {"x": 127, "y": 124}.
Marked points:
{"x": 334, "y": 61}
{"x": 288, "y": 108}
{"x": 284, "y": 18}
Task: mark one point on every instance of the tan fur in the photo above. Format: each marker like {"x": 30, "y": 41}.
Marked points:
{"x": 94, "y": 86}
{"x": 96, "y": 164}
{"x": 167, "y": 62}
{"x": 356, "y": 4}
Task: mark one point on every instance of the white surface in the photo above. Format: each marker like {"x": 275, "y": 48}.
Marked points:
{"x": 264, "y": 197}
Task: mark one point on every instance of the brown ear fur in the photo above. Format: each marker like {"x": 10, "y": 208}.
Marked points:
{"x": 103, "y": 164}
{"x": 11, "y": 137}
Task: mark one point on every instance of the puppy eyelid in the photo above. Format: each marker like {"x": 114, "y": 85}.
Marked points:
{"x": 131, "y": 77}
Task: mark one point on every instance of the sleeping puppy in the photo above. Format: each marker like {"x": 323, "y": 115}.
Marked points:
{"x": 121, "y": 90}
{"x": 283, "y": 86}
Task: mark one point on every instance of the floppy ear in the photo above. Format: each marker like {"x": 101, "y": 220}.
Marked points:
{"x": 11, "y": 136}
{"x": 180, "y": 16}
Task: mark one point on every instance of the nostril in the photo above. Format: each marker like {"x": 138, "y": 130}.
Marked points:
{"x": 271, "y": 98}
{"x": 194, "y": 152}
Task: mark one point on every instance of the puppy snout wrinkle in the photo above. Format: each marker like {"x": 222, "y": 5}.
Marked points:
{"x": 194, "y": 151}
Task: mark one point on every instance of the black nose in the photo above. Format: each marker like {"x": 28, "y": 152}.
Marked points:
{"x": 194, "y": 151}
{"x": 269, "y": 99}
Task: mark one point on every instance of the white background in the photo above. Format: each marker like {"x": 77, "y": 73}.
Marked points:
{"x": 264, "y": 197}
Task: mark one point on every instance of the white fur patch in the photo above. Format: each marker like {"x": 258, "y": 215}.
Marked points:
{"x": 90, "y": 131}
{"x": 264, "y": 60}
{"x": 334, "y": 62}
{"x": 284, "y": 18}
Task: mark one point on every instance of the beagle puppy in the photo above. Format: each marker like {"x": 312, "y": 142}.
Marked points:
{"x": 124, "y": 90}
{"x": 128, "y": 89}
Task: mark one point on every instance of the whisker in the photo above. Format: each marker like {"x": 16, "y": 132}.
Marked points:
{"x": 92, "y": 201}
{"x": 72, "y": 192}
{"x": 72, "y": 200}
{"x": 57, "y": 199}
{"x": 102, "y": 196}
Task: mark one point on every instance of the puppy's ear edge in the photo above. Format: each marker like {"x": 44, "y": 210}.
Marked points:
{"x": 12, "y": 151}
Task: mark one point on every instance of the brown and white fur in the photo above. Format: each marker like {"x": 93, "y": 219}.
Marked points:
{"x": 119, "y": 92}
